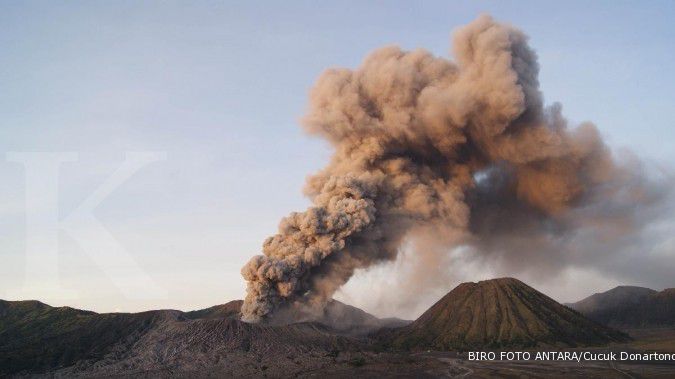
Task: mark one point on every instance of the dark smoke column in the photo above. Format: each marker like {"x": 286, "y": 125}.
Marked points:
{"x": 410, "y": 131}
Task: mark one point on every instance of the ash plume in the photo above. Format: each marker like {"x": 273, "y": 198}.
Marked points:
{"x": 459, "y": 153}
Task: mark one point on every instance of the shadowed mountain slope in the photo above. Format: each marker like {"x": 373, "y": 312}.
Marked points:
{"x": 498, "y": 313}
{"x": 37, "y": 338}
{"x": 630, "y": 307}
{"x": 616, "y": 297}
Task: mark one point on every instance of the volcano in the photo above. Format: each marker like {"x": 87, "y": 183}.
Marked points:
{"x": 39, "y": 339}
{"x": 499, "y": 313}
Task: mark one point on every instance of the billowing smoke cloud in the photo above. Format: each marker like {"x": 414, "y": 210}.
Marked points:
{"x": 426, "y": 149}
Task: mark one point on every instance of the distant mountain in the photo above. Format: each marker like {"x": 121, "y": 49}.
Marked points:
{"x": 347, "y": 319}
{"x": 498, "y": 313}
{"x": 228, "y": 310}
{"x": 617, "y": 297}
{"x": 630, "y": 307}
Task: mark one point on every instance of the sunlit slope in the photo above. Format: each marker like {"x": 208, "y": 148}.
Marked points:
{"x": 499, "y": 313}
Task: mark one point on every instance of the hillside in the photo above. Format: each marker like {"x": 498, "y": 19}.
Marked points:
{"x": 630, "y": 307}
{"x": 35, "y": 338}
{"x": 498, "y": 313}
{"x": 227, "y": 310}
{"x": 229, "y": 346}
{"x": 616, "y": 297}
{"x": 350, "y": 320}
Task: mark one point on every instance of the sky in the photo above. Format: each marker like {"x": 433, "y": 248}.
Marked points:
{"x": 210, "y": 93}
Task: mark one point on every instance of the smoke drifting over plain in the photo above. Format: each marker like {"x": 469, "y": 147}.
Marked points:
{"x": 442, "y": 155}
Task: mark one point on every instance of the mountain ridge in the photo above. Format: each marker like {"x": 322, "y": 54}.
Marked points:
{"x": 36, "y": 338}
{"x": 630, "y": 307}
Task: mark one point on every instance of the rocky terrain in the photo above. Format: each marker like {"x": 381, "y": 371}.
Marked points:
{"x": 36, "y": 339}
{"x": 630, "y": 307}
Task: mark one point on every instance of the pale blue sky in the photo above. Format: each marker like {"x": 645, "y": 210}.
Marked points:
{"x": 219, "y": 86}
